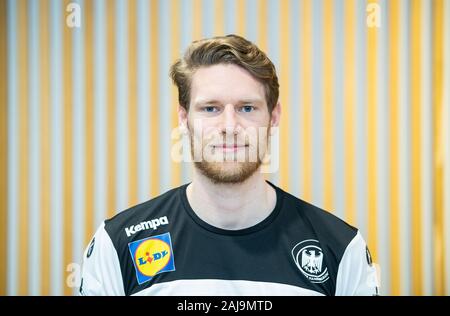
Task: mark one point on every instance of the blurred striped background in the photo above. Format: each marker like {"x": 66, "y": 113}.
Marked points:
{"x": 87, "y": 113}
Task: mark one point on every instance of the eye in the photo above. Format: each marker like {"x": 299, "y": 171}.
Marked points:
{"x": 247, "y": 108}
{"x": 210, "y": 109}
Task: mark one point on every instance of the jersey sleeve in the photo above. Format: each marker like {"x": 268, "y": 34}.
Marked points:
{"x": 101, "y": 274}
{"x": 357, "y": 275}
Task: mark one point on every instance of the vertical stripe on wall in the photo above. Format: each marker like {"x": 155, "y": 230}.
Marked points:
{"x": 438, "y": 146}
{"x": 208, "y": 18}
{"x": 100, "y": 112}
{"x": 241, "y": 23}
{"x": 197, "y": 10}
{"x": 45, "y": 133}
{"x": 78, "y": 140}
{"x": 283, "y": 75}
{"x": 175, "y": 37}
{"x": 306, "y": 116}
{"x": 317, "y": 128}
{"x": 240, "y": 18}
{"x": 339, "y": 83}
{"x": 262, "y": 25}
{"x": 295, "y": 105}
{"x": 219, "y": 12}
{"x": 4, "y": 143}
{"x": 132, "y": 105}
{"x": 13, "y": 148}
{"x": 68, "y": 150}
{"x": 164, "y": 97}
{"x": 122, "y": 115}
{"x": 88, "y": 26}
{"x": 251, "y": 28}
{"x": 405, "y": 148}
{"x": 143, "y": 86}
{"x": 155, "y": 101}
{"x": 426, "y": 208}
{"x": 416, "y": 162}
{"x": 349, "y": 105}
{"x": 23, "y": 136}
{"x": 273, "y": 52}
{"x": 445, "y": 131}
{"x": 328, "y": 105}
{"x": 393, "y": 24}
{"x": 372, "y": 103}
{"x": 382, "y": 224}
{"x": 111, "y": 107}
{"x": 227, "y": 14}
{"x": 56, "y": 166}
{"x": 361, "y": 118}
{"x": 186, "y": 37}
{"x": 34, "y": 150}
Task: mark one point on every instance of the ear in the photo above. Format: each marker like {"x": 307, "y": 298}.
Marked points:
{"x": 182, "y": 119}
{"x": 276, "y": 114}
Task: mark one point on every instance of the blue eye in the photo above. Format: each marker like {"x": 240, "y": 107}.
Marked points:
{"x": 210, "y": 109}
{"x": 247, "y": 108}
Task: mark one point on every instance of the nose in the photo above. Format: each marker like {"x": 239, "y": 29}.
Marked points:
{"x": 230, "y": 122}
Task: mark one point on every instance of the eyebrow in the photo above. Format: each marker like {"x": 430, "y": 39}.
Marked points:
{"x": 206, "y": 101}
{"x": 214, "y": 101}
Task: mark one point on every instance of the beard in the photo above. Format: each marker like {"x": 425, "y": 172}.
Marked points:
{"x": 226, "y": 171}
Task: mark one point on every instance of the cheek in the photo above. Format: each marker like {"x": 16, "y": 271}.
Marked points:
{"x": 207, "y": 134}
{"x": 260, "y": 121}
{"x": 199, "y": 129}
{"x": 263, "y": 137}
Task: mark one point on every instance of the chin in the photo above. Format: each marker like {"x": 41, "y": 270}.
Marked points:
{"x": 228, "y": 172}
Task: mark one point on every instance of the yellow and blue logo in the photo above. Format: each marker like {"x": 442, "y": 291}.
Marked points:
{"x": 152, "y": 256}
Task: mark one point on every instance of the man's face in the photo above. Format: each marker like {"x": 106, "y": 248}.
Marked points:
{"x": 228, "y": 122}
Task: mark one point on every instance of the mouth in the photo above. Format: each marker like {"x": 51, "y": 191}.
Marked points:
{"x": 229, "y": 148}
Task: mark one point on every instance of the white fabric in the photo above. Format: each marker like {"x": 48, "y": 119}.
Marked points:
{"x": 355, "y": 276}
{"x": 207, "y": 287}
{"x": 101, "y": 273}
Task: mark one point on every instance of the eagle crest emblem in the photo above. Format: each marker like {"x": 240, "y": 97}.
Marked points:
{"x": 311, "y": 261}
{"x": 308, "y": 256}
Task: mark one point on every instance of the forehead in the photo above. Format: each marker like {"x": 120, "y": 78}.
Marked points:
{"x": 225, "y": 83}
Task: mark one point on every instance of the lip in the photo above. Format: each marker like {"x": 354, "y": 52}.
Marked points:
{"x": 228, "y": 148}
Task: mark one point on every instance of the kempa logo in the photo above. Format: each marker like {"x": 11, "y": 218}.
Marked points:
{"x": 154, "y": 223}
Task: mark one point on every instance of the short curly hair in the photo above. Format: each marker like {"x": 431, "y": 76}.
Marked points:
{"x": 229, "y": 49}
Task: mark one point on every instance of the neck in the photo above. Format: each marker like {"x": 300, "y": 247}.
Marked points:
{"x": 231, "y": 206}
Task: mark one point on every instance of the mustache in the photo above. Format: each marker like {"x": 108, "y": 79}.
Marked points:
{"x": 250, "y": 137}
{"x": 226, "y": 141}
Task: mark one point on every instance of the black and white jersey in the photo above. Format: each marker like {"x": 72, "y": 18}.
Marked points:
{"x": 161, "y": 247}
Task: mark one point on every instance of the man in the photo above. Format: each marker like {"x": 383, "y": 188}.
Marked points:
{"x": 229, "y": 231}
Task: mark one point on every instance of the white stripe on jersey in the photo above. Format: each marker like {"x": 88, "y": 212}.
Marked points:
{"x": 214, "y": 287}
{"x": 355, "y": 275}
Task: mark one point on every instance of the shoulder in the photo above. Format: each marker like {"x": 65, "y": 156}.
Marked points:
{"x": 149, "y": 215}
{"x": 319, "y": 242}
{"x": 101, "y": 273}
{"x": 357, "y": 274}
{"x": 325, "y": 224}
{"x": 332, "y": 233}
{"x": 107, "y": 263}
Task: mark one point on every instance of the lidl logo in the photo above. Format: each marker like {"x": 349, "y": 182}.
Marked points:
{"x": 152, "y": 256}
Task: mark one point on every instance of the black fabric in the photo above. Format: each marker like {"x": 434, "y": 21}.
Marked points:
{"x": 259, "y": 253}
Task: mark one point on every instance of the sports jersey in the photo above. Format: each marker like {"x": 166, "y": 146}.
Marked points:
{"x": 161, "y": 247}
